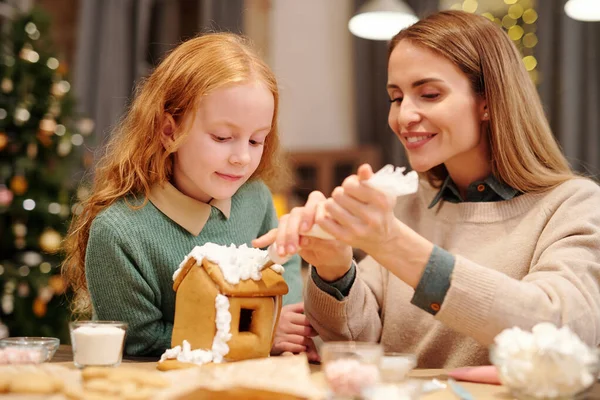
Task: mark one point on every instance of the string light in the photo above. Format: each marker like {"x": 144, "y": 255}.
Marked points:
{"x": 517, "y": 18}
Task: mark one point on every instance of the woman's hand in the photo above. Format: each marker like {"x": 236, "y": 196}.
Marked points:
{"x": 294, "y": 333}
{"x": 332, "y": 259}
{"x": 361, "y": 216}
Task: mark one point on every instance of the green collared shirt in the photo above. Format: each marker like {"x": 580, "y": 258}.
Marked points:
{"x": 489, "y": 189}
{"x": 435, "y": 281}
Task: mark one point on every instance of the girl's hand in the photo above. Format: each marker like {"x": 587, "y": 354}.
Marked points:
{"x": 294, "y": 333}
{"x": 361, "y": 216}
{"x": 331, "y": 258}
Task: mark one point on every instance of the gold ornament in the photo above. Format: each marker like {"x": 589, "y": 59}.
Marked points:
{"x": 3, "y": 140}
{"x": 18, "y": 184}
{"x": 39, "y": 307}
{"x": 50, "y": 241}
{"x": 58, "y": 284}
{"x": 48, "y": 125}
{"x": 6, "y": 85}
{"x": 19, "y": 229}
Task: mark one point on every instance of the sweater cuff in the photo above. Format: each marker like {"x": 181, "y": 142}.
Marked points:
{"x": 435, "y": 281}
{"x": 338, "y": 288}
{"x": 470, "y": 298}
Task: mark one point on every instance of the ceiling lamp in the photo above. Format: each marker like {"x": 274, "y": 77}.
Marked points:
{"x": 583, "y": 10}
{"x": 381, "y": 19}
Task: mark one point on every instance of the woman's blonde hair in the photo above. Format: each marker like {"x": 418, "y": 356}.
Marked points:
{"x": 524, "y": 153}
{"x": 135, "y": 157}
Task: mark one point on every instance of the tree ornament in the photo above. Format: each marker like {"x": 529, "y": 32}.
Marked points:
{"x": 21, "y": 115}
{"x": 6, "y": 85}
{"x": 39, "y": 307}
{"x": 18, "y": 184}
{"x": 58, "y": 284}
{"x": 3, "y": 140}
{"x": 50, "y": 241}
{"x": 48, "y": 125}
{"x": 8, "y": 304}
{"x": 64, "y": 148}
{"x": 19, "y": 229}
{"x": 6, "y": 196}
{"x": 27, "y": 53}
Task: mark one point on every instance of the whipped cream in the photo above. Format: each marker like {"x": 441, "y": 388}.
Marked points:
{"x": 236, "y": 263}
{"x": 219, "y": 348}
{"x": 546, "y": 362}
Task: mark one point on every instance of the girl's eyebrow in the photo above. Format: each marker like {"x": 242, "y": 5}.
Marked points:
{"x": 234, "y": 126}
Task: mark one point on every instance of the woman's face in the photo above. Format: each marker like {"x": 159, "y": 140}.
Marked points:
{"x": 434, "y": 111}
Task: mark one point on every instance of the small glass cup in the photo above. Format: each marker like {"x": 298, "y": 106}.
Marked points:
{"x": 97, "y": 343}
{"x": 350, "y": 367}
{"x": 395, "y": 367}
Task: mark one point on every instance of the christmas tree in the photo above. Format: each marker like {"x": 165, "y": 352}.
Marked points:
{"x": 41, "y": 162}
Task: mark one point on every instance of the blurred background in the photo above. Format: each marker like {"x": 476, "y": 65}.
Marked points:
{"x": 68, "y": 68}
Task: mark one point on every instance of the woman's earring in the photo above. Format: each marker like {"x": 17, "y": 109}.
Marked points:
{"x": 485, "y": 115}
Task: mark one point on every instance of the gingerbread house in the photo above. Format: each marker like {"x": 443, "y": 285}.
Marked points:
{"x": 227, "y": 303}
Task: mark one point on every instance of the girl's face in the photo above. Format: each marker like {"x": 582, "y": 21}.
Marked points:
{"x": 225, "y": 142}
{"x": 434, "y": 111}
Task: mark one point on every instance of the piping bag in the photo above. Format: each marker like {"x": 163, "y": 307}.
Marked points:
{"x": 389, "y": 180}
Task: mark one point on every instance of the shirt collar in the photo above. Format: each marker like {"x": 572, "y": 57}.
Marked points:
{"x": 185, "y": 211}
{"x": 449, "y": 192}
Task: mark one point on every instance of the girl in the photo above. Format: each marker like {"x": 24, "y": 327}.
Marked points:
{"x": 501, "y": 232}
{"x": 186, "y": 166}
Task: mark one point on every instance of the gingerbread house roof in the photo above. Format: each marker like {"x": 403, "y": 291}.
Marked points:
{"x": 271, "y": 284}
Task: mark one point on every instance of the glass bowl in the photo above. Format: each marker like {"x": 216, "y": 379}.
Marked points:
{"x": 28, "y": 349}
{"x": 395, "y": 367}
{"x": 350, "y": 367}
{"x": 554, "y": 376}
{"x": 97, "y": 343}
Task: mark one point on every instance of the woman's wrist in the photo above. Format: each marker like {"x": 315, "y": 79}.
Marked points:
{"x": 405, "y": 255}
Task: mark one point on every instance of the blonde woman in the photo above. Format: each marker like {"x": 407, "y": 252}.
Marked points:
{"x": 186, "y": 166}
{"x": 501, "y": 232}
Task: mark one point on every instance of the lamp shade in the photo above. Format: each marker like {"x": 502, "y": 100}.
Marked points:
{"x": 583, "y": 10}
{"x": 381, "y": 19}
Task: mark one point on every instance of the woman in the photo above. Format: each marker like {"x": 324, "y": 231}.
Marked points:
{"x": 501, "y": 232}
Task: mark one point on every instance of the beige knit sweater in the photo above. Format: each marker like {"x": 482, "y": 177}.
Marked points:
{"x": 522, "y": 261}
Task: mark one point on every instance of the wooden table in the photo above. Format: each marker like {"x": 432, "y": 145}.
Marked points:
{"x": 64, "y": 356}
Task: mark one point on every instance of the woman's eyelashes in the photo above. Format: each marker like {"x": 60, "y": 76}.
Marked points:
{"x": 427, "y": 96}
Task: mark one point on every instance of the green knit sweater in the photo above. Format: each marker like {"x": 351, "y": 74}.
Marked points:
{"x": 132, "y": 255}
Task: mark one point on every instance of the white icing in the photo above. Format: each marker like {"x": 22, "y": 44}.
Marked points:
{"x": 390, "y": 180}
{"x": 236, "y": 263}
{"x": 223, "y": 322}
{"x": 545, "y": 363}
{"x": 393, "y": 182}
{"x": 275, "y": 257}
{"x": 219, "y": 346}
